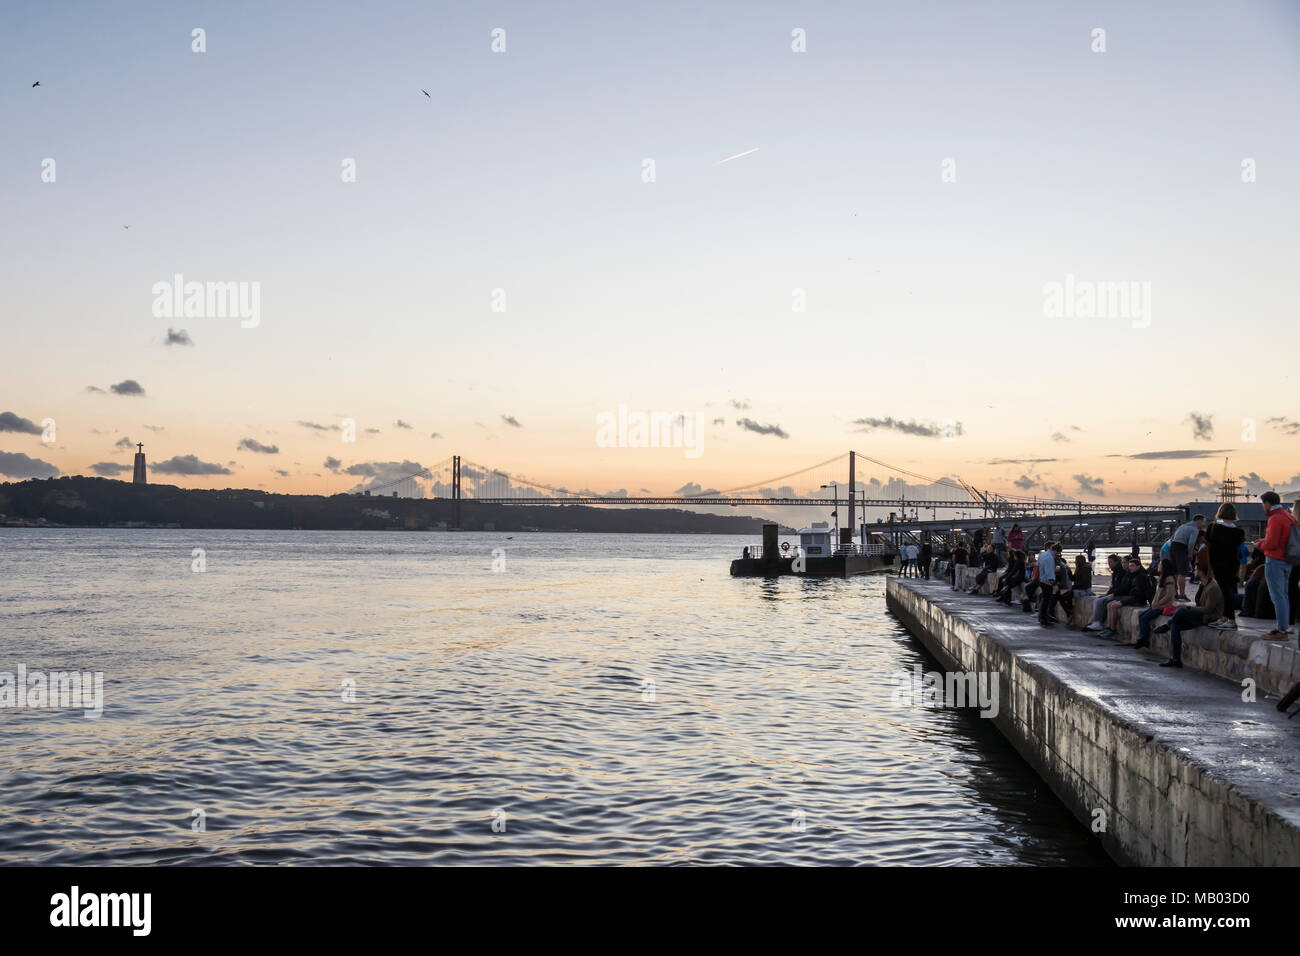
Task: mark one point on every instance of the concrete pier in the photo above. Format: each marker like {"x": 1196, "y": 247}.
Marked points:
{"x": 1168, "y": 767}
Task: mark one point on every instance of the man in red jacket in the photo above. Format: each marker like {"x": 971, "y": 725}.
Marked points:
{"x": 1276, "y": 569}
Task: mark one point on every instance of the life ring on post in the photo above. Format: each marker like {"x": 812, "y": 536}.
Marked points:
{"x": 785, "y": 545}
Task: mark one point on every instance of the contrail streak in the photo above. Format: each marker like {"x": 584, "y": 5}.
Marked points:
{"x": 737, "y": 156}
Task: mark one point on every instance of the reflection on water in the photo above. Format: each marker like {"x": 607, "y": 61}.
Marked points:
{"x": 603, "y": 698}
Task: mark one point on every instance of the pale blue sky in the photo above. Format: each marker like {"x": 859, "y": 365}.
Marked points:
{"x": 523, "y": 172}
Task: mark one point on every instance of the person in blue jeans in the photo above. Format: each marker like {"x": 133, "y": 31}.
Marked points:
{"x": 1277, "y": 571}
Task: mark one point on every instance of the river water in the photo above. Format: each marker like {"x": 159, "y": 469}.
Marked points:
{"x": 439, "y": 698}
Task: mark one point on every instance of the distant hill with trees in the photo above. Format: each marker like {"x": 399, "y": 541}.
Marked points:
{"x": 103, "y": 502}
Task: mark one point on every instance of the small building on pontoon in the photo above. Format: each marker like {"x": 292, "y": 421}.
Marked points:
{"x": 816, "y": 540}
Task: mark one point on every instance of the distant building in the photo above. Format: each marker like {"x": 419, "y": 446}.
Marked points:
{"x": 139, "y": 477}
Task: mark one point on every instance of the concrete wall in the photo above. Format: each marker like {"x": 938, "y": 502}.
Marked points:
{"x": 1163, "y": 804}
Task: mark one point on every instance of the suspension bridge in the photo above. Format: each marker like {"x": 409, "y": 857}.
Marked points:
{"x": 852, "y": 480}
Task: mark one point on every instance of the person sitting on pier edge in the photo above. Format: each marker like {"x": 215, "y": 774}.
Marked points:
{"x": 923, "y": 559}
{"x": 1277, "y": 572}
{"x": 1117, "y": 575}
{"x": 1047, "y": 584}
{"x": 988, "y": 565}
{"x": 1064, "y": 586}
{"x": 1136, "y": 592}
{"x": 1225, "y": 540}
{"x": 1208, "y": 610}
{"x": 1082, "y": 582}
{"x": 1162, "y": 601}
{"x": 1029, "y": 596}
{"x": 1082, "y": 575}
{"x": 959, "y": 558}
{"x": 1181, "y": 548}
{"x": 1012, "y": 578}
{"x": 1016, "y": 538}
{"x": 1254, "y": 599}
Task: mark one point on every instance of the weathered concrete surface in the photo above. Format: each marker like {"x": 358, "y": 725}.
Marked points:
{"x": 1183, "y": 770}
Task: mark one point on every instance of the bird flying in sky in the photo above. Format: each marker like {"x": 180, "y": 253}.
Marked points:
{"x": 36, "y": 84}
{"x": 426, "y": 93}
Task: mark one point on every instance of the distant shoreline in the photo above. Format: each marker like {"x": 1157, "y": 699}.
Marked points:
{"x": 84, "y": 502}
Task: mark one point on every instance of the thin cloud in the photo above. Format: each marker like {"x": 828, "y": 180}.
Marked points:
{"x": 332, "y": 464}
{"x": 383, "y": 472}
{"x": 401, "y": 424}
{"x": 1025, "y": 482}
{"x": 912, "y": 427}
{"x": 692, "y": 490}
{"x": 108, "y": 469}
{"x": 15, "y": 464}
{"x": 178, "y": 337}
{"x": 1089, "y": 485}
{"x": 1021, "y": 461}
{"x": 739, "y": 405}
{"x": 128, "y": 386}
{"x": 752, "y": 426}
{"x": 1285, "y": 425}
{"x": 1057, "y": 436}
{"x": 737, "y": 156}
{"x": 1202, "y": 426}
{"x": 511, "y": 421}
{"x": 1174, "y": 455}
{"x": 435, "y": 434}
{"x": 10, "y": 422}
{"x": 316, "y": 426}
{"x": 124, "y": 442}
{"x": 252, "y": 444}
{"x": 189, "y": 465}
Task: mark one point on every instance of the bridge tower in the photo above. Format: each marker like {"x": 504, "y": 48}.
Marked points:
{"x": 846, "y": 535}
{"x": 455, "y": 491}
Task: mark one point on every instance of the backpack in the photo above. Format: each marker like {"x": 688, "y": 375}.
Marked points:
{"x": 1292, "y": 552}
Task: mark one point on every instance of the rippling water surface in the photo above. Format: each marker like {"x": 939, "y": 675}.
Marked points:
{"x": 523, "y": 690}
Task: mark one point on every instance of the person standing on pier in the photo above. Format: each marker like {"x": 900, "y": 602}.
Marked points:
{"x": 1047, "y": 584}
{"x": 1225, "y": 544}
{"x": 959, "y": 558}
{"x": 924, "y": 558}
{"x": 1016, "y": 538}
{"x": 999, "y": 541}
{"x": 1181, "y": 548}
{"x": 1277, "y": 570}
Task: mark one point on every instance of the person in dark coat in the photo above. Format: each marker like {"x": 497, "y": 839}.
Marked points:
{"x": 1225, "y": 540}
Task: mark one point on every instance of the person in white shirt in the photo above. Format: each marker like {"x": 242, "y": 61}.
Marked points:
{"x": 1047, "y": 559}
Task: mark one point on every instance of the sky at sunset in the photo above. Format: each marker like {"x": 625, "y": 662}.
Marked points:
{"x": 664, "y": 207}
